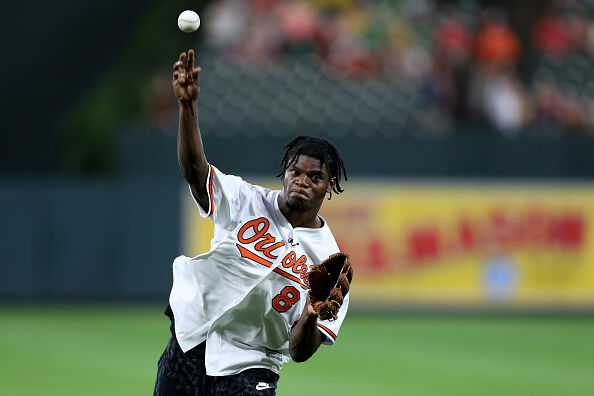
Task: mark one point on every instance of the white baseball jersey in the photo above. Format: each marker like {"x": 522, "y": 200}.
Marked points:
{"x": 244, "y": 295}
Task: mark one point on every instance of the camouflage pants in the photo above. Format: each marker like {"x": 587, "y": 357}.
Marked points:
{"x": 182, "y": 373}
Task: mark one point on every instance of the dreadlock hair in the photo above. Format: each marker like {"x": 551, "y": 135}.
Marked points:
{"x": 320, "y": 149}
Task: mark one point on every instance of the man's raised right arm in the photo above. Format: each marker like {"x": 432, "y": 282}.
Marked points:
{"x": 190, "y": 151}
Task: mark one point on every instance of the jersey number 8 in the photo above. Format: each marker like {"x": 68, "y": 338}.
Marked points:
{"x": 285, "y": 299}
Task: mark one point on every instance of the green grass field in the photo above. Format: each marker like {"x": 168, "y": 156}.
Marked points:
{"x": 113, "y": 351}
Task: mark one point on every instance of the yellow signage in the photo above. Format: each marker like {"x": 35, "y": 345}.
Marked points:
{"x": 451, "y": 244}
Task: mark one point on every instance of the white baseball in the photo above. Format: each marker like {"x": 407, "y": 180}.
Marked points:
{"x": 188, "y": 21}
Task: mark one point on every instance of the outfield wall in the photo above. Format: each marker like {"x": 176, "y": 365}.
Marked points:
{"x": 88, "y": 239}
{"x": 435, "y": 244}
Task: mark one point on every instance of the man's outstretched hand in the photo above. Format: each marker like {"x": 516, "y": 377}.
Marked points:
{"x": 186, "y": 84}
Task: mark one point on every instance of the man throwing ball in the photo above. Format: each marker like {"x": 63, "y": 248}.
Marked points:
{"x": 242, "y": 310}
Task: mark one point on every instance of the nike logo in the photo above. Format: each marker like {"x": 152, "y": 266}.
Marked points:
{"x": 263, "y": 385}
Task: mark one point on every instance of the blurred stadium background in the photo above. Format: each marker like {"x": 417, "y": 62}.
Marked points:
{"x": 467, "y": 129}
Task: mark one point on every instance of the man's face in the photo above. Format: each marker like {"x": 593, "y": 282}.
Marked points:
{"x": 305, "y": 184}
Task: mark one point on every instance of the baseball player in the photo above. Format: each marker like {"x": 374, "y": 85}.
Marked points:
{"x": 242, "y": 310}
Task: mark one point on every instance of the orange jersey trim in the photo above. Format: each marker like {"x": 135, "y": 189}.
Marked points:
{"x": 330, "y": 333}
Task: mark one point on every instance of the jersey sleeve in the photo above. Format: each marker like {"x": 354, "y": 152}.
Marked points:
{"x": 225, "y": 196}
{"x": 330, "y": 328}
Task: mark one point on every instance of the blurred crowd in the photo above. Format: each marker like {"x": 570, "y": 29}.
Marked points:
{"x": 465, "y": 60}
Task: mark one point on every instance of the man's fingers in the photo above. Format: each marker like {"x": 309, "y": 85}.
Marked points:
{"x": 180, "y": 61}
{"x": 183, "y": 74}
{"x": 190, "y": 59}
{"x": 178, "y": 65}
